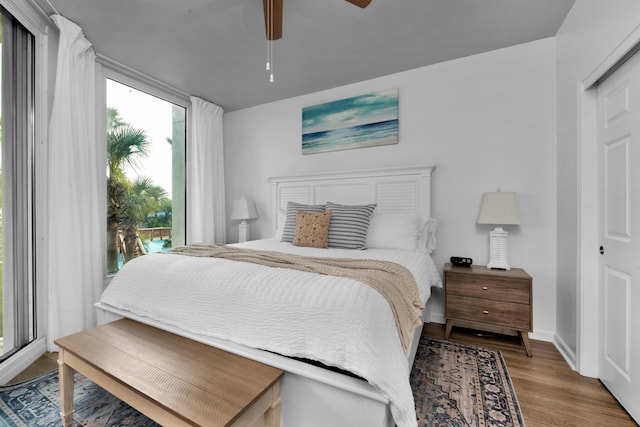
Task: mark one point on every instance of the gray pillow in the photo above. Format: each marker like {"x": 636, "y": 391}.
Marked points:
{"x": 349, "y": 225}
{"x": 289, "y": 229}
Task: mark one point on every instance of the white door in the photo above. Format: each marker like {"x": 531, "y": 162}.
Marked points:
{"x": 619, "y": 209}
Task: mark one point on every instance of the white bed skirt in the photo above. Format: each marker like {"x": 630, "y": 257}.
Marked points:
{"x": 311, "y": 396}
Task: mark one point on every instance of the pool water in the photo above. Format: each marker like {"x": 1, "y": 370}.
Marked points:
{"x": 151, "y": 246}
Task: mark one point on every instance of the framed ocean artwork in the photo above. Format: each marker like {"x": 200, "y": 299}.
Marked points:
{"x": 362, "y": 121}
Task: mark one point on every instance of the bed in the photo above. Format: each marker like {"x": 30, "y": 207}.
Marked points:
{"x": 294, "y": 319}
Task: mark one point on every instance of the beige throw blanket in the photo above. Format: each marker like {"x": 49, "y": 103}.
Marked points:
{"x": 392, "y": 280}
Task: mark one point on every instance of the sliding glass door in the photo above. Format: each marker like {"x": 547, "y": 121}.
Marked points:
{"x": 17, "y": 322}
{"x": 146, "y": 138}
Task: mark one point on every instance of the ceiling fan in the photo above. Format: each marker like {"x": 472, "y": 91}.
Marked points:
{"x": 273, "y": 16}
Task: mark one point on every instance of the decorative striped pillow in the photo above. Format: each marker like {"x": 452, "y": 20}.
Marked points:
{"x": 349, "y": 225}
{"x": 289, "y": 229}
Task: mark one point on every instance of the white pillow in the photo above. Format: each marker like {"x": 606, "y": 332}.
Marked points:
{"x": 427, "y": 237}
{"x": 280, "y": 226}
{"x": 407, "y": 231}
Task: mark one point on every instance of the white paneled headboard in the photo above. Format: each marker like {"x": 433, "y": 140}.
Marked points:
{"x": 403, "y": 189}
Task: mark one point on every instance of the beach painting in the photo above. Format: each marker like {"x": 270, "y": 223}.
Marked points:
{"x": 362, "y": 121}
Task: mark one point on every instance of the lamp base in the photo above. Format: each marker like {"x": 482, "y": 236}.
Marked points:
{"x": 498, "y": 249}
{"x": 244, "y": 231}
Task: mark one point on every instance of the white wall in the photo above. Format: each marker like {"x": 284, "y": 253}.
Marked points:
{"x": 591, "y": 31}
{"x": 484, "y": 121}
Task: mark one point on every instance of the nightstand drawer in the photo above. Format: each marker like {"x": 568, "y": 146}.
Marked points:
{"x": 493, "y": 288}
{"x": 508, "y": 314}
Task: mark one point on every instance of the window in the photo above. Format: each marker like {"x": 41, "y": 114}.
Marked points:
{"x": 145, "y": 174}
{"x": 17, "y": 283}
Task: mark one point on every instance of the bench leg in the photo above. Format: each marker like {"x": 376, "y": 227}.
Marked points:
{"x": 273, "y": 415}
{"x": 66, "y": 391}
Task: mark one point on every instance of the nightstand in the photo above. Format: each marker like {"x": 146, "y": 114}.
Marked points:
{"x": 487, "y": 299}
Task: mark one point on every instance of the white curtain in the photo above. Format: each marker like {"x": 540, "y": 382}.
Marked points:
{"x": 205, "y": 175}
{"x": 76, "y": 222}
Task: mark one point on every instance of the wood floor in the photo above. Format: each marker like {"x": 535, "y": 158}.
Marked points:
{"x": 549, "y": 392}
{"x": 45, "y": 363}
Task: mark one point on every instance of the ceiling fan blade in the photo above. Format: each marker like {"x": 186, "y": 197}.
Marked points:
{"x": 273, "y": 18}
{"x": 360, "y": 3}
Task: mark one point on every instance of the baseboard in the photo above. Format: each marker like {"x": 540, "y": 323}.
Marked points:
{"x": 566, "y": 352}
{"x": 542, "y": 336}
{"x": 22, "y": 359}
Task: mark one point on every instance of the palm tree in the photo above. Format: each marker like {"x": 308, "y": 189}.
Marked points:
{"x": 125, "y": 146}
{"x": 143, "y": 199}
{"x": 114, "y": 119}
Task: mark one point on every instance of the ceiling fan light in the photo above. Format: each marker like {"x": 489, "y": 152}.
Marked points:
{"x": 273, "y": 26}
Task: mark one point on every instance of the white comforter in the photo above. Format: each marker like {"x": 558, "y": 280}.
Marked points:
{"x": 339, "y": 322}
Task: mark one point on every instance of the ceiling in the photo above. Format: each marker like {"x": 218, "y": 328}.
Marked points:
{"x": 217, "y": 50}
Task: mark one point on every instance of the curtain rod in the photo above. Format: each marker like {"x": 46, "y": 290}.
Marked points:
{"x": 128, "y": 71}
{"x": 52, "y": 7}
{"x": 46, "y": 4}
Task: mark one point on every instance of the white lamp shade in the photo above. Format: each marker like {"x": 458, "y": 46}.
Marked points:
{"x": 499, "y": 208}
{"x": 243, "y": 209}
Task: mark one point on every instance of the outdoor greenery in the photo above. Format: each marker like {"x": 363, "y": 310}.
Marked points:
{"x": 130, "y": 204}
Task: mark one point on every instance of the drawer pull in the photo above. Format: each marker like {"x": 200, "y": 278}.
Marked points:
{"x": 485, "y": 311}
{"x": 485, "y": 288}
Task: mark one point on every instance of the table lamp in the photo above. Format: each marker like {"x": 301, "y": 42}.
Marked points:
{"x": 499, "y": 208}
{"x": 243, "y": 209}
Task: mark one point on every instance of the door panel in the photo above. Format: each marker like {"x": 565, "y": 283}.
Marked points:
{"x": 617, "y": 349}
{"x": 617, "y": 189}
{"x": 619, "y": 212}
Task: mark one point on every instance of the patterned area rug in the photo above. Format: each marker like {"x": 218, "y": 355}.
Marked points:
{"x": 453, "y": 385}
{"x": 34, "y": 403}
{"x": 462, "y": 385}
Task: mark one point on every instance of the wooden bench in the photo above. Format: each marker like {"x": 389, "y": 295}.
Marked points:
{"x": 173, "y": 380}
